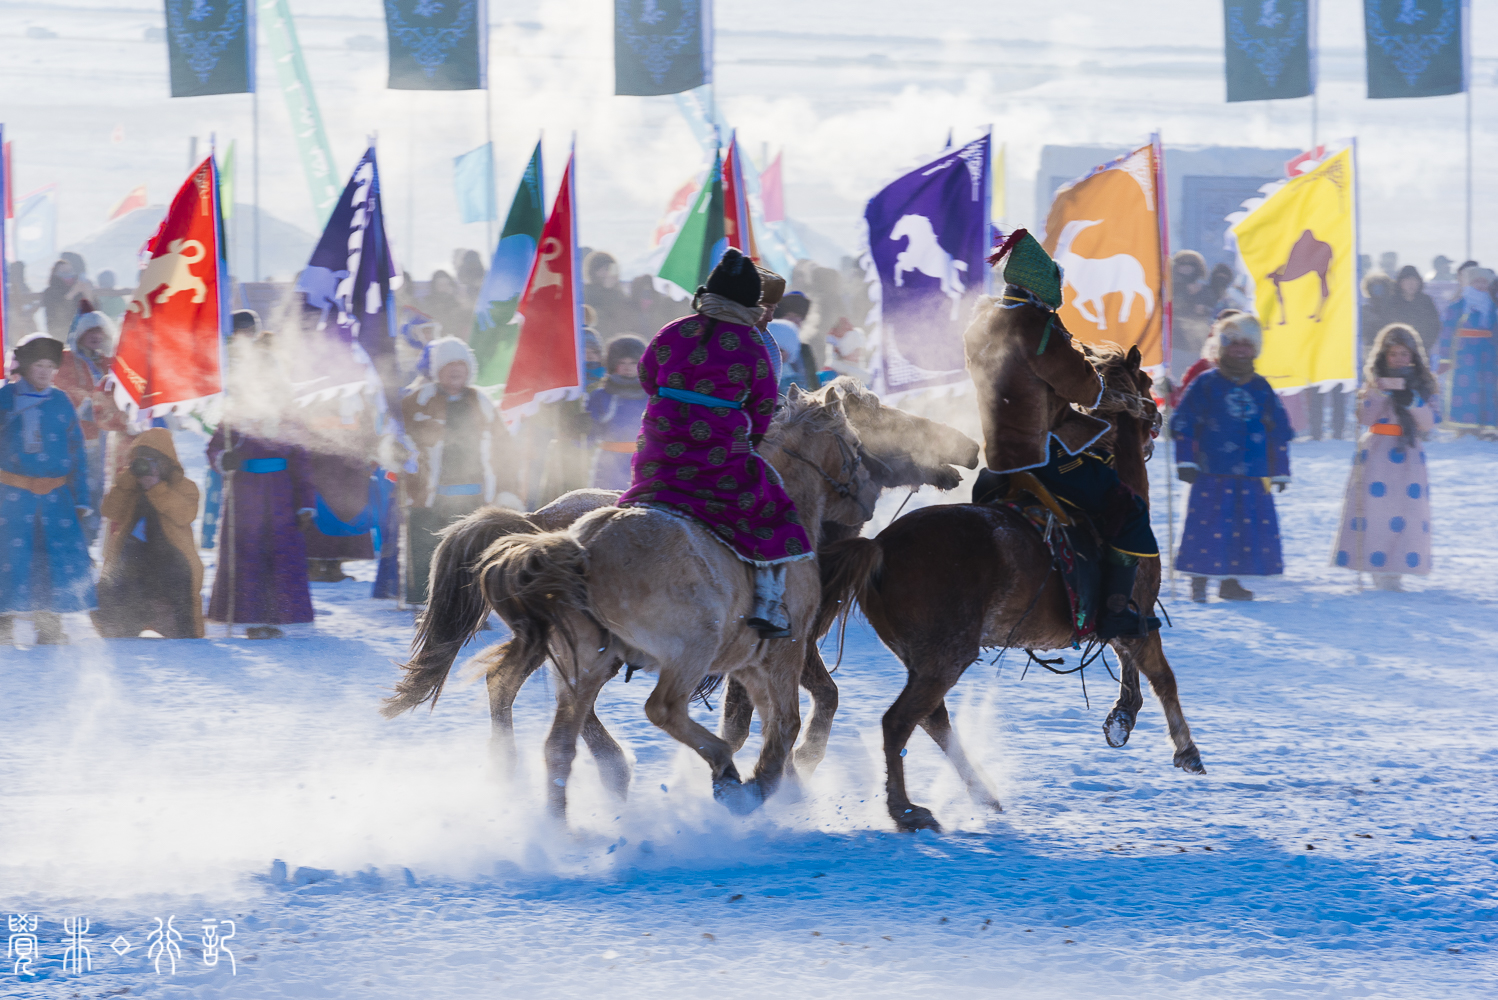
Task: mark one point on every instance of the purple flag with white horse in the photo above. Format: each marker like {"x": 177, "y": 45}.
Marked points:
{"x": 928, "y": 237}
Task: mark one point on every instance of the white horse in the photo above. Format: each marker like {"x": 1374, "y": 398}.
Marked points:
{"x": 1092, "y": 278}
{"x": 924, "y": 254}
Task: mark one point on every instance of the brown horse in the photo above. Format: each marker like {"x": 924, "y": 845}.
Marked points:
{"x": 942, "y": 583}
{"x": 1308, "y": 256}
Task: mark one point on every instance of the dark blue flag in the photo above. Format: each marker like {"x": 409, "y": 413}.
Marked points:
{"x": 438, "y": 44}
{"x": 662, "y": 46}
{"x": 928, "y": 237}
{"x": 1268, "y": 48}
{"x": 1415, "y": 47}
{"x": 210, "y": 45}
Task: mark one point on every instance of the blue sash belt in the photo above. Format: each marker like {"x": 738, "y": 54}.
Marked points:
{"x": 460, "y": 490}
{"x": 687, "y": 396}
{"x": 264, "y": 465}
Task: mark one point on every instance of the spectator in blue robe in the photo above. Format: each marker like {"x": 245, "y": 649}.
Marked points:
{"x": 617, "y": 407}
{"x": 1232, "y": 444}
{"x": 1468, "y": 352}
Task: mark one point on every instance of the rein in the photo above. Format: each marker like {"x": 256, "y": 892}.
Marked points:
{"x": 851, "y": 461}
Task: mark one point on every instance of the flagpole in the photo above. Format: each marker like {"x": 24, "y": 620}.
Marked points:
{"x": 255, "y": 183}
{"x": 489, "y": 139}
{"x": 1167, "y": 337}
{"x": 411, "y": 182}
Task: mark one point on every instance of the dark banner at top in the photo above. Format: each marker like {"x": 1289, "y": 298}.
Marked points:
{"x": 438, "y": 44}
{"x": 662, "y": 46}
{"x": 1415, "y": 47}
{"x": 210, "y": 46}
{"x": 1268, "y": 48}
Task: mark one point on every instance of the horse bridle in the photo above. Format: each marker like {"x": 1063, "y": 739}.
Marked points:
{"x": 852, "y": 459}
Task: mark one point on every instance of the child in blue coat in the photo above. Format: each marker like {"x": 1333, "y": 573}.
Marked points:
{"x": 616, "y": 409}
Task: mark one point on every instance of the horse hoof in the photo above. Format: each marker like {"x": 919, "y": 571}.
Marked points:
{"x": 807, "y": 760}
{"x": 1190, "y": 761}
{"x": 741, "y": 799}
{"x": 1117, "y": 727}
{"x": 916, "y": 818}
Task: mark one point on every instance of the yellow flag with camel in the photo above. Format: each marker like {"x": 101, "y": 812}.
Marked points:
{"x": 1104, "y": 231}
{"x": 1300, "y": 248}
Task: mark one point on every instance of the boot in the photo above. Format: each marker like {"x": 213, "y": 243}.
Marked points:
{"x": 49, "y": 628}
{"x": 1199, "y": 590}
{"x": 1388, "y": 581}
{"x": 768, "y": 617}
{"x": 1118, "y": 618}
{"x": 1231, "y": 590}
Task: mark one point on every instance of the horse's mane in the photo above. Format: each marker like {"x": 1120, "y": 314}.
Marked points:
{"x": 807, "y": 413}
{"x": 1121, "y": 392}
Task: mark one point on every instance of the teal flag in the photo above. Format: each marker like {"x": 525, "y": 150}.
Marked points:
{"x": 494, "y": 336}
{"x": 301, "y": 105}
{"x": 473, "y": 182}
{"x": 700, "y": 241}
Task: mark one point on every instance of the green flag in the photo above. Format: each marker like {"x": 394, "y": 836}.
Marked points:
{"x": 301, "y": 105}
{"x": 494, "y": 336}
{"x": 701, "y": 239}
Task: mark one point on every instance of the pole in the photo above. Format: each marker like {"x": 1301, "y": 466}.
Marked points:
{"x": 493, "y": 194}
{"x": 255, "y": 274}
{"x": 1167, "y": 337}
{"x": 411, "y": 183}
{"x": 1468, "y": 254}
{"x": 228, "y": 548}
{"x": 192, "y": 152}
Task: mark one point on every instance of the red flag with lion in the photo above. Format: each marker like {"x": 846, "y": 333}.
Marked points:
{"x": 168, "y": 357}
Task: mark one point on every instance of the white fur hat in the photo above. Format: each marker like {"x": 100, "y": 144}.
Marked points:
{"x": 1230, "y": 329}
{"x": 444, "y": 351}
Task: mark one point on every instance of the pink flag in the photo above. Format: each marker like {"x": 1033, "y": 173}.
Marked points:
{"x": 771, "y": 193}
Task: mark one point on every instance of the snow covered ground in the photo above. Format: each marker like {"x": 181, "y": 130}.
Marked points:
{"x": 1343, "y": 842}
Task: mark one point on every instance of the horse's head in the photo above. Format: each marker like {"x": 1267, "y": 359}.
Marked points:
{"x": 1129, "y": 406}
{"x": 815, "y": 433}
{"x": 902, "y": 449}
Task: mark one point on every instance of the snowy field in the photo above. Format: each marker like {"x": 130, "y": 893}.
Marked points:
{"x": 1342, "y": 844}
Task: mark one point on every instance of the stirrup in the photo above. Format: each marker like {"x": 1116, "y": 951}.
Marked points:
{"x": 768, "y": 629}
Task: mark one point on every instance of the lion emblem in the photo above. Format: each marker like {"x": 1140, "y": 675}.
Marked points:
{"x": 170, "y": 272}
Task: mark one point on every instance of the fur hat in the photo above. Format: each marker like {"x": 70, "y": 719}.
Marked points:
{"x": 794, "y": 304}
{"x": 772, "y": 286}
{"x": 736, "y": 279}
{"x": 444, "y": 351}
{"x": 1237, "y": 327}
{"x": 245, "y": 323}
{"x": 1030, "y": 267}
{"x": 92, "y": 321}
{"x": 625, "y": 348}
{"x": 38, "y": 347}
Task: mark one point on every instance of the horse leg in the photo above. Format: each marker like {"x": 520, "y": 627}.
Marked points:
{"x": 923, "y": 692}
{"x": 938, "y": 726}
{"x": 775, "y": 693}
{"x": 823, "y": 690}
{"x": 738, "y": 713}
{"x": 1148, "y": 655}
{"x": 667, "y": 708}
{"x": 1325, "y": 294}
{"x": 509, "y": 667}
{"x": 574, "y": 706}
{"x": 1125, "y": 712}
{"x": 1279, "y": 293}
{"x": 613, "y": 766}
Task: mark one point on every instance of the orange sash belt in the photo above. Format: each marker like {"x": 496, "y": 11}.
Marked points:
{"x": 40, "y": 485}
{"x": 619, "y": 447}
{"x": 1388, "y": 430}
{"x": 1468, "y": 331}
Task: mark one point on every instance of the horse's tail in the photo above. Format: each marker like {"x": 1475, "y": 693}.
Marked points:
{"x": 536, "y": 582}
{"x": 456, "y": 607}
{"x": 850, "y": 571}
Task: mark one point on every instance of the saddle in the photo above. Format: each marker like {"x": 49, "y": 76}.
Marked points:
{"x": 1069, "y": 535}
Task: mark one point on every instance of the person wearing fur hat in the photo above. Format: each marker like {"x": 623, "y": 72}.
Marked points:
{"x": 1232, "y": 444}
{"x": 152, "y": 577}
{"x": 85, "y": 366}
{"x": 1469, "y": 352}
{"x": 44, "y": 495}
{"x": 462, "y": 454}
{"x": 712, "y": 396}
{"x": 617, "y": 409}
{"x": 1385, "y": 526}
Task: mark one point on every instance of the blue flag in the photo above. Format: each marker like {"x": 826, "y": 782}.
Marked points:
{"x": 1416, "y": 48}
{"x": 1268, "y": 49}
{"x": 210, "y": 46}
{"x": 473, "y": 181}
{"x": 928, "y": 237}
{"x": 438, "y": 44}
{"x": 662, "y": 46}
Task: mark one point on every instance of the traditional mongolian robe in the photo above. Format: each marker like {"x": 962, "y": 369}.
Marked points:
{"x": 44, "y": 563}
{"x": 1385, "y": 527}
{"x": 1238, "y": 438}
{"x": 269, "y": 552}
{"x": 617, "y": 411}
{"x": 1468, "y": 342}
{"x": 712, "y": 394}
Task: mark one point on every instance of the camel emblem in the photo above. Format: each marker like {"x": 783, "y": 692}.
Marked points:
{"x": 1093, "y": 278}
{"x": 925, "y": 255}
{"x": 1308, "y": 256}
{"x": 172, "y": 270}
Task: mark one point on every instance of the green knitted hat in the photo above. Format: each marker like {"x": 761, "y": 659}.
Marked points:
{"x": 1030, "y": 267}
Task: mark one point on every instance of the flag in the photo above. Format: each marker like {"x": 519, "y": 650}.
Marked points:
{"x": 494, "y": 335}
{"x": 701, "y": 239}
{"x": 36, "y": 230}
{"x": 210, "y": 46}
{"x": 301, "y": 107}
{"x": 10, "y": 195}
{"x": 1415, "y": 49}
{"x": 473, "y": 181}
{"x": 548, "y": 365}
{"x": 662, "y": 46}
{"x": 1104, "y": 232}
{"x": 168, "y": 356}
{"x": 1001, "y": 184}
{"x": 349, "y": 279}
{"x": 1268, "y": 48}
{"x": 737, "y": 228}
{"x": 1300, "y": 247}
{"x": 928, "y": 237}
{"x": 137, "y": 196}
{"x": 772, "y": 194}
{"x": 438, "y": 44}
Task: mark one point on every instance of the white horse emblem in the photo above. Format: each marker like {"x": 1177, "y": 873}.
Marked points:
{"x": 1092, "y": 278}
{"x": 172, "y": 270}
{"x": 925, "y": 255}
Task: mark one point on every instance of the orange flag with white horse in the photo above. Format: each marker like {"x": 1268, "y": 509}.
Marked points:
{"x": 1104, "y": 231}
